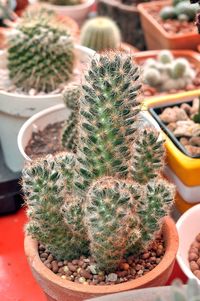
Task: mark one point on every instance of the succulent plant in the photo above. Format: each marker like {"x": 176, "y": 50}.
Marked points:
{"x": 63, "y": 2}
{"x": 108, "y": 198}
{"x": 40, "y": 53}
{"x": 181, "y": 10}
{"x": 180, "y": 293}
{"x": 167, "y": 73}
{"x": 100, "y": 33}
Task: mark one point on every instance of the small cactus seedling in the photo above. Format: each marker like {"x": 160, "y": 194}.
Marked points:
{"x": 181, "y": 10}
{"x": 191, "y": 292}
{"x": 106, "y": 199}
{"x": 100, "y": 33}
{"x": 166, "y": 72}
{"x": 40, "y": 53}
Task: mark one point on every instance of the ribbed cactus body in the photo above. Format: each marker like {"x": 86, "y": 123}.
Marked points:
{"x": 100, "y": 33}
{"x": 40, "y": 54}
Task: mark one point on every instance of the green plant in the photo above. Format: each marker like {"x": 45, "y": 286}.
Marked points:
{"x": 100, "y": 33}
{"x": 40, "y": 53}
{"x": 181, "y": 9}
{"x": 108, "y": 198}
{"x": 181, "y": 293}
{"x": 63, "y": 2}
{"x": 166, "y": 72}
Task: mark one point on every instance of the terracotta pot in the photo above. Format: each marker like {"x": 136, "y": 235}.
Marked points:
{"x": 127, "y": 17}
{"x": 57, "y": 289}
{"x": 155, "y": 35}
{"x": 192, "y": 56}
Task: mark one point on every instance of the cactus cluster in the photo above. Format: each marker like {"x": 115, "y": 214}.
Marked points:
{"x": 166, "y": 72}
{"x": 182, "y": 10}
{"x": 63, "y": 2}
{"x": 40, "y": 53}
{"x": 100, "y": 33}
{"x": 107, "y": 198}
{"x": 180, "y": 293}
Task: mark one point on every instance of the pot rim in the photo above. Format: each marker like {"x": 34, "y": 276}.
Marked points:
{"x": 47, "y": 96}
{"x": 168, "y": 259}
{"x": 76, "y": 7}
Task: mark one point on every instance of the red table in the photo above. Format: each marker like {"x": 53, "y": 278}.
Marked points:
{"x": 16, "y": 281}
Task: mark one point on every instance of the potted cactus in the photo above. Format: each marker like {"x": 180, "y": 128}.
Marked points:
{"x": 76, "y": 9}
{"x": 106, "y": 199}
{"x": 166, "y": 27}
{"x": 39, "y": 60}
{"x": 176, "y": 292}
{"x": 102, "y": 33}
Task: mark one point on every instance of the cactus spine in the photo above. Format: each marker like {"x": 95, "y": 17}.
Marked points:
{"x": 108, "y": 205}
{"x": 100, "y": 33}
{"x": 40, "y": 54}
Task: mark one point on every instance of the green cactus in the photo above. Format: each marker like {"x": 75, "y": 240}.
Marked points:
{"x": 107, "y": 198}
{"x": 165, "y": 56}
{"x": 168, "y": 12}
{"x": 181, "y": 10}
{"x": 40, "y": 54}
{"x": 100, "y": 33}
{"x": 180, "y": 293}
{"x": 64, "y": 2}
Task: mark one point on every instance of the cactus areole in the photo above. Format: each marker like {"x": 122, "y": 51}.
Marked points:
{"x": 107, "y": 198}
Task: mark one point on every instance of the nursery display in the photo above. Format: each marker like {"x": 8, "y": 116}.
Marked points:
{"x": 105, "y": 203}
{"x": 188, "y": 254}
{"x": 33, "y": 80}
{"x": 179, "y": 121}
{"x": 176, "y": 292}
{"x": 76, "y": 9}
{"x": 169, "y": 33}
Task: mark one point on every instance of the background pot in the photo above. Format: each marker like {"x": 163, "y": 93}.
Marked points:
{"x": 155, "y": 35}
{"x": 188, "y": 227}
{"x": 15, "y": 109}
{"x": 57, "y": 289}
{"x": 127, "y": 18}
{"x": 52, "y": 115}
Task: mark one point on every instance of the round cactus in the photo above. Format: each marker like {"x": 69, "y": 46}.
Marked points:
{"x": 165, "y": 56}
{"x": 187, "y": 9}
{"x": 168, "y": 12}
{"x": 179, "y": 67}
{"x": 152, "y": 77}
{"x": 100, "y": 33}
{"x": 40, "y": 54}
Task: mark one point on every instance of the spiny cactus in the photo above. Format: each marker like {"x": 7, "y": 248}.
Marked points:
{"x": 182, "y": 10}
{"x": 166, "y": 72}
{"x": 180, "y": 293}
{"x": 109, "y": 196}
{"x": 71, "y": 96}
{"x": 100, "y": 33}
{"x": 64, "y": 2}
{"x": 40, "y": 53}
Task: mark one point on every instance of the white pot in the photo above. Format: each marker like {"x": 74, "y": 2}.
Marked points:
{"x": 77, "y": 12}
{"x": 15, "y": 109}
{"x": 52, "y": 115}
{"x": 188, "y": 227}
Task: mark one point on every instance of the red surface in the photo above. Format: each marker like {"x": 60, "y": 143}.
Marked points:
{"x": 16, "y": 281}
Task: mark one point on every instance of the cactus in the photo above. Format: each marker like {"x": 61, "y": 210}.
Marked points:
{"x": 166, "y": 73}
{"x": 180, "y": 293}
{"x": 108, "y": 197}
{"x": 40, "y": 53}
{"x": 181, "y": 10}
{"x": 64, "y": 2}
{"x": 100, "y": 33}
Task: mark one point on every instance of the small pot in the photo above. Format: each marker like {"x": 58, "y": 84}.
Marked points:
{"x": 57, "y": 289}
{"x": 181, "y": 169}
{"x": 188, "y": 227}
{"x": 15, "y": 109}
{"x": 77, "y": 12}
{"x": 52, "y": 115}
{"x": 155, "y": 35}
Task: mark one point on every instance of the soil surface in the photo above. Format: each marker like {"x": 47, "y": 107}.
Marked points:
{"x": 84, "y": 270}
{"x": 172, "y": 26}
{"x": 47, "y": 141}
{"x": 179, "y": 120}
{"x": 194, "y": 257}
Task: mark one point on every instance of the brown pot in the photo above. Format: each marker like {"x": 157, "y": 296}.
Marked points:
{"x": 58, "y": 289}
{"x": 192, "y": 56}
{"x": 155, "y": 35}
{"x": 127, "y": 18}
